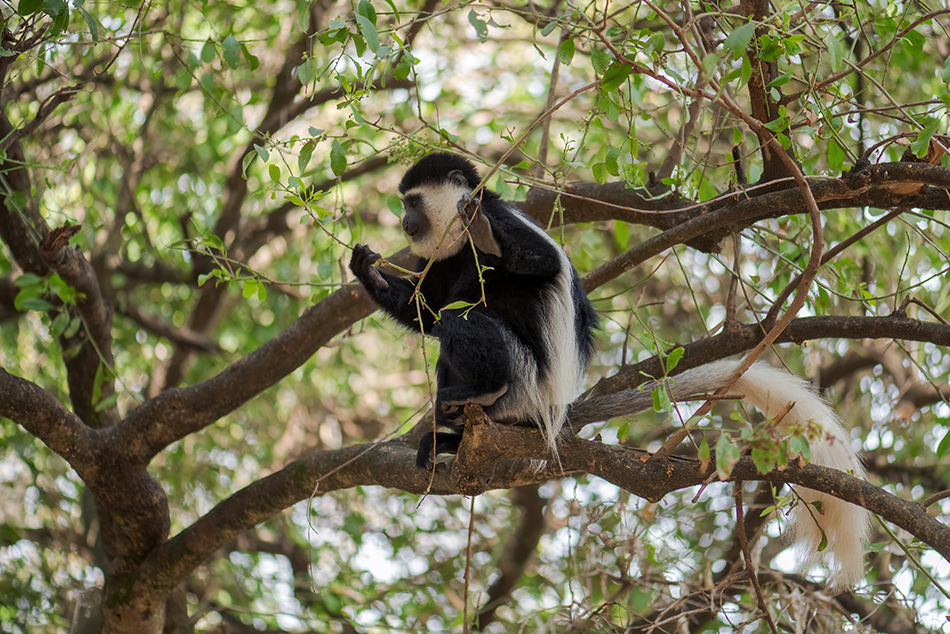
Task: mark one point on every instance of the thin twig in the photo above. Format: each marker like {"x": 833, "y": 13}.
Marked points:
{"x": 747, "y": 555}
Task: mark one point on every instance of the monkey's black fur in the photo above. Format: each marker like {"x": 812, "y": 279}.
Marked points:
{"x": 522, "y": 352}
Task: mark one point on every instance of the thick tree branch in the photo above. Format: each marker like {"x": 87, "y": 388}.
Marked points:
{"x": 93, "y": 345}
{"x": 21, "y": 225}
{"x": 41, "y": 414}
{"x": 741, "y": 337}
{"x": 175, "y": 413}
{"x": 704, "y": 225}
{"x": 485, "y": 462}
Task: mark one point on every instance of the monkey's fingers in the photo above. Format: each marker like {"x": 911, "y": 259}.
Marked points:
{"x": 467, "y": 207}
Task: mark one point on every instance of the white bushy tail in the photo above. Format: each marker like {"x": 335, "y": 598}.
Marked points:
{"x": 844, "y": 524}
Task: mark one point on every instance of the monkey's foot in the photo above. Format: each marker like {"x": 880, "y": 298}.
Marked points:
{"x": 484, "y": 400}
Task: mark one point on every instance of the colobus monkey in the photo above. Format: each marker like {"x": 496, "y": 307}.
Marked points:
{"x": 515, "y": 327}
{"x": 515, "y": 330}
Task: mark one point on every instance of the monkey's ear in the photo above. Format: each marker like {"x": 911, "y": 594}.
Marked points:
{"x": 482, "y": 236}
{"x": 456, "y": 177}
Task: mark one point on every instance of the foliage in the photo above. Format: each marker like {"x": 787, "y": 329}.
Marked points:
{"x": 219, "y": 162}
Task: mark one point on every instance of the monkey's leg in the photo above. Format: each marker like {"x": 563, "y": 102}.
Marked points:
{"x": 474, "y": 363}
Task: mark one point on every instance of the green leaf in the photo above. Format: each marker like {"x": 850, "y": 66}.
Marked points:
{"x": 27, "y": 280}
{"x": 835, "y": 51}
{"x": 623, "y": 431}
{"x": 209, "y": 51}
{"x": 799, "y": 446}
{"x": 368, "y": 29}
{"x": 91, "y": 23}
{"x": 97, "y": 383}
{"x": 836, "y": 156}
{"x": 74, "y": 325}
{"x": 274, "y": 172}
{"x": 249, "y": 288}
{"x": 31, "y": 303}
{"x": 704, "y": 452}
{"x": 248, "y": 159}
{"x": 611, "y": 161}
{"x": 745, "y": 71}
{"x": 457, "y": 305}
{"x": 60, "y": 22}
{"x": 337, "y": 158}
{"x": 403, "y": 67}
{"x": 614, "y": 77}
{"x": 943, "y": 449}
{"x": 738, "y": 41}
{"x": 599, "y": 60}
{"x": 306, "y": 152}
{"x": 59, "y": 324}
{"x": 565, "y": 52}
{"x": 306, "y": 73}
{"x": 366, "y": 10}
{"x": 727, "y": 455}
{"x": 392, "y": 5}
{"x": 661, "y": 398}
{"x": 921, "y": 145}
{"x": 394, "y": 204}
{"x": 764, "y": 459}
{"x": 481, "y": 29}
{"x": 674, "y": 358}
{"x": 106, "y": 402}
{"x": 29, "y": 7}
{"x": 250, "y": 57}
{"x": 232, "y": 51}
{"x": 548, "y": 28}
{"x": 710, "y": 64}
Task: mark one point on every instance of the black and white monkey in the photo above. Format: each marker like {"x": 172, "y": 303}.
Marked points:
{"x": 520, "y": 336}
{"x": 515, "y": 332}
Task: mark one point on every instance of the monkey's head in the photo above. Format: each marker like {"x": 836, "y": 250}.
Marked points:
{"x": 431, "y": 191}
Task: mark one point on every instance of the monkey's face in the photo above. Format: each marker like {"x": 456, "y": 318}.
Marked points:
{"x": 431, "y": 221}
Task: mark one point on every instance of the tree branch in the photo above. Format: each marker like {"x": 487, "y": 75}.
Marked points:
{"x": 41, "y": 414}
{"x": 485, "y": 462}
{"x": 741, "y": 337}
{"x": 94, "y": 342}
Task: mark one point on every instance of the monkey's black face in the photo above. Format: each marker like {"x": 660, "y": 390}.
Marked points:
{"x": 415, "y": 221}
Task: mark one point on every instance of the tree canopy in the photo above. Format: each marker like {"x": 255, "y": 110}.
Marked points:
{"x": 206, "y": 427}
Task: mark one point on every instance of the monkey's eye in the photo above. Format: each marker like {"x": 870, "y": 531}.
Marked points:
{"x": 411, "y": 201}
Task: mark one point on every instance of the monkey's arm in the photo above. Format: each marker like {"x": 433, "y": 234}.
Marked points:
{"x": 525, "y": 248}
{"x": 392, "y": 294}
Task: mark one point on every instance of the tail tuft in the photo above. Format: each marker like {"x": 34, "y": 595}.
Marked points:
{"x": 844, "y": 525}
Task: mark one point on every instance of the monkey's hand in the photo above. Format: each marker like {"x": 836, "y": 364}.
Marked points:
{"x": 477, "y": 224}
{"x": 467, "y": 207}
{"x": 361, "y": 263}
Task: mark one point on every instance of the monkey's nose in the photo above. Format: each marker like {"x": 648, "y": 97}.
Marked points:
{"x": 410, "y": 226}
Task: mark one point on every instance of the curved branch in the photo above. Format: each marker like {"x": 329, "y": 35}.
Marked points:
{"x": 175, "y": 413}
{"x": 704, "y": 225}
{"x": 41, "y": 414}
{"x": 485, "y": 462}
{"x": 741, "y": 337}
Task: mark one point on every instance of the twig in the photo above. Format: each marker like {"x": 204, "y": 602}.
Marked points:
{"x": 749, "y": 565}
